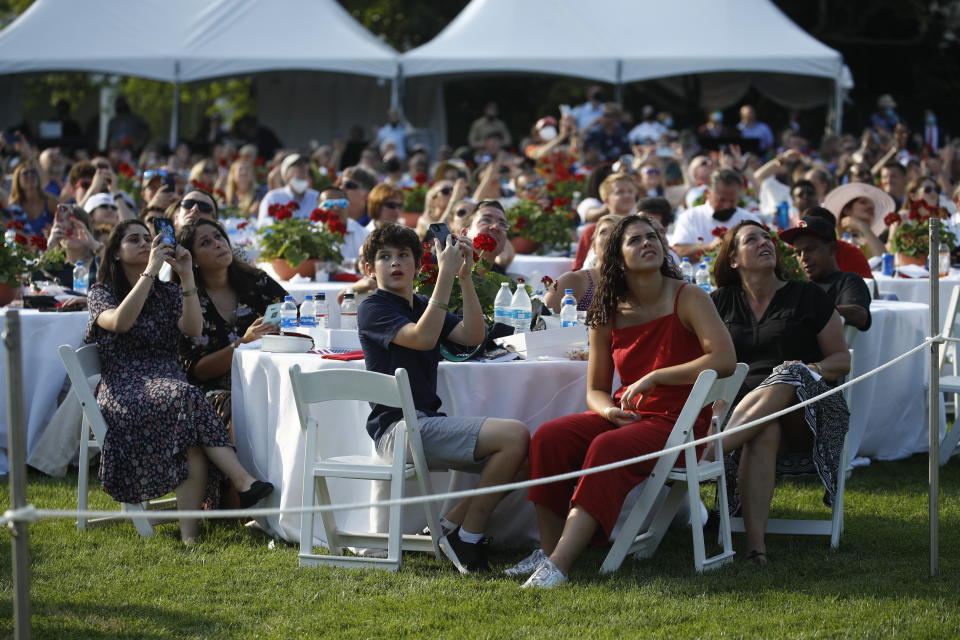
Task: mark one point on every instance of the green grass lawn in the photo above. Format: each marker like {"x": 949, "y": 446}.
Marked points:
{"x": 107, "y": 582}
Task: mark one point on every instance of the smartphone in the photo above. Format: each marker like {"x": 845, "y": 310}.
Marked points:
{"x": 11, "y": 138}
{"x": 169, "y": 180}
{"x": 272, "y": 314}
{"x": 164, "y": 229}
{"x": 64, "y": 212}
{"x": 440, "y": 231}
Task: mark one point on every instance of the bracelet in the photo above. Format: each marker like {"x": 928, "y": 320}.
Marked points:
{"x": 236, "y": 343}
{"x": 438, "y": 304}
{"x": 188, "y": 292}
{"x": 147, "y": 275}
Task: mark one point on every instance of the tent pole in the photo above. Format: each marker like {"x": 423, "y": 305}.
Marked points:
{"x": 933, "y": 402}
{"x": 175, "y": 112}
{"x": 16, "y": 450}
{"x": 618, "y": 90}
{"x": 838, "y": 106}
{"x": 395, "y": 102}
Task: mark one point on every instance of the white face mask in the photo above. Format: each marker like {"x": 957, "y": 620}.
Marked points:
{"x": 299, "y": 185}
{"x": 548, "y": 133}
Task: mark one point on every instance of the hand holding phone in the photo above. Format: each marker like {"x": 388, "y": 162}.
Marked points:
{"x": 272, "y": 314}
{"x": 440, "y": 231}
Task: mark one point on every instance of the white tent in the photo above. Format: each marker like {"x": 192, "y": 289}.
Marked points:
{"x": 186, "y": 40}
{"x": 621, "y": 41}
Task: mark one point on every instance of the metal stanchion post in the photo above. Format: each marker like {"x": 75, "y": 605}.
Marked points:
{"x": 933, "y": 402}
{"x": 16, "y": 457}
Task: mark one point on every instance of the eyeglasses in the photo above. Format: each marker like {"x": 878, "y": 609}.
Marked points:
{"x": 85, "y": 184}
{"x": 204, "y": 207}
{"x": 391, "y": 204}
{"x": 350, "y": 185}
{"x": 488, "y": 221}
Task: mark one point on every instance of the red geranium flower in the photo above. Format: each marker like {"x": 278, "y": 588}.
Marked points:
{"x": 420, "y": 179}
{"x": 430, "y": 272}
{"x": 546, "y": 280}
{"x": 522, "y": 223}
{"x": 718, "y": 232}
{"x": 20, "y": 238}
{"x": 318, "y": 215}
{"x": 914, "y": 214}
{"x": 199, "y": 186}
{"x": 15, "y": 224}
{"x": 890, "y": 218}
{"x": 293, "y": 206}
{"x": 485, "y": 242}
{"x": 126, "y": 170}
{"x": 336, "y": 226}
{"x": 39, "y": 242}
{"x": 243, "y": 225}
{"x": 561, "y": 202}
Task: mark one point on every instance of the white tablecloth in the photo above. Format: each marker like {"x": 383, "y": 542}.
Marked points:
{"x": 43, "y": 372}
{"x": 270, "y": 442}
{"x": 918, "y": 289}
{"x": 554, "y": 267}
{"x": 888, "y": 416}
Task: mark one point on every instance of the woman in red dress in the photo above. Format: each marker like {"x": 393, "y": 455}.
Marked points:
{"x": 659, "y": 334}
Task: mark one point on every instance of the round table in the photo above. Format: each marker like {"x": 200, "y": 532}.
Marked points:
{"x": 553, "y": 266}
{"x": 918, "y": 289}
{"x": 41, "y": 334}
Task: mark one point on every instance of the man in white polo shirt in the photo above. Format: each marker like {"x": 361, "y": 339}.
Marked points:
{"x": 694, "y": 230}
{"x": 295, "y": 171}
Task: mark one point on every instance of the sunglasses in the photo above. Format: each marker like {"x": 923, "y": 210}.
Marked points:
{"x": 461, "y": 212}
{"x": 350, "y": 185}
{"x": 209, "y": 170}
{"x": 446, "y": 191}
{"x": 652, "y": 172}
{"x": 102, "y": 167}
{"x": 535, "y": 184}
{"x": 112, "y": 207}
{"x": 204, "y": 207}
{"x": 391, "y": 204}
{"x": 929, "y": 188}
{"x": 85, "y": 183}
{"x": 150, "y": 174}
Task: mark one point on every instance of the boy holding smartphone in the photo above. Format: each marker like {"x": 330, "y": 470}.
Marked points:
{"x": 399, "y": 328}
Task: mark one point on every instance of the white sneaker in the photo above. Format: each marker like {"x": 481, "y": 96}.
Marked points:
{"x": 546, "y": 576}
{"x": 528, "y": 565}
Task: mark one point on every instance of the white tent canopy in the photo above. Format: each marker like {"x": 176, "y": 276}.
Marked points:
{"x": 185, "y": 40}
{"x": 620, "y": 41}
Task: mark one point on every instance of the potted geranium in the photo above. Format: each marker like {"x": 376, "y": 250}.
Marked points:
{"x": 18, "y": 256}
{"x": 910, "y": 238}
{"x": 787, "y": 254}
{"x": 534, "y": 228}
{"x": 296, "y": 245}
{"x": 485, "y": 280}
{"x": 415, "y": 197}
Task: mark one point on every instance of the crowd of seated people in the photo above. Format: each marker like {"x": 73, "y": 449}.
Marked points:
{"x": 648, "y": 194}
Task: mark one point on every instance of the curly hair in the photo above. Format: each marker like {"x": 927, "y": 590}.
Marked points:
{"x": 612, "y": 288}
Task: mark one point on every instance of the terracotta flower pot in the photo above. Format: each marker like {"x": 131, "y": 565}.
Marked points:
{"x": 903, "y": 260}
{"x": 410, "y": 218}
{"x": 7, "y": 294}
{"x": 524, "y": 245}
{"x": 284, "y": 271}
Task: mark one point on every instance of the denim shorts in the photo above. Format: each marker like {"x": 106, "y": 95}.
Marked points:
{"x": 448, "y": 443}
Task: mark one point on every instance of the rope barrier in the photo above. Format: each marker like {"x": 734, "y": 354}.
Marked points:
{"x": 31, "y": 514}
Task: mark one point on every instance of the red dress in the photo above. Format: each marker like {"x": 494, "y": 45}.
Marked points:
{"x": 585, "y": 440}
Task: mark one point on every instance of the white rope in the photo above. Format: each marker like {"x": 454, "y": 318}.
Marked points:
{"x": 31, "y": 514}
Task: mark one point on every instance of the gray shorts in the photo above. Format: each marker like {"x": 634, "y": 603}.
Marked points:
{"x": 448, "y": 443}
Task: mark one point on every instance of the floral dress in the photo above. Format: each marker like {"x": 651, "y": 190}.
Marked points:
{"x": 218, "y": 333}
{"x": 152, "y": 413}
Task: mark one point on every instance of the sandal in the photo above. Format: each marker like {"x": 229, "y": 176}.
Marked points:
{"x": 758, "y": 557}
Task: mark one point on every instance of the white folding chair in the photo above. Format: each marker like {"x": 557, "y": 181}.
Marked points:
{"x": 950, "y": 383}
{"x": 394, "y": 391}
{"x": 834, "y": 526}
{"x": 82, "y": 364}
{"x": 682, "y": 480}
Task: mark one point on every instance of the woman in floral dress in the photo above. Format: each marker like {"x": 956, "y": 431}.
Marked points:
{"x": 162, "y": 434}
{"x": 233, "y": 298}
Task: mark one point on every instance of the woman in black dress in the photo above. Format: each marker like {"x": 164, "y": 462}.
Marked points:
{"x": 791, "y": 335}
{"x": 162, "y": 434}
{"x": 233, "y": 298}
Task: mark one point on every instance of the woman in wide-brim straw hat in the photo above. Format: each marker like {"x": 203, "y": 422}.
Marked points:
{"x": 860, "y": 209}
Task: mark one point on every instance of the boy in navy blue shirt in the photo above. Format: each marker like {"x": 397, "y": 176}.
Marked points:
{"x": 399, "y": 328}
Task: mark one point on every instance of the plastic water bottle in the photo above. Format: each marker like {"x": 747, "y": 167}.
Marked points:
{"x": 348, "y": 312}
{"x": 703, "y": 278}
{"x": 320, "y": 310}
{"x": 502, "y": 304}
{"x": 81, "y": 278}
{"x": 782, "y": 219}
{"x": 308, "y": 317}
{"x": 288, "y": 314}
{"x": 522, "y": 308}
{"x": 568, "y": 309}
{"x": 944, "y": 259}
{"x": 686, "y": 269}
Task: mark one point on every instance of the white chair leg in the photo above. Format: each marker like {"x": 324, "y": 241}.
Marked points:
{"x": 696, "y": 524}
{"x": 144, "y": 528}
{"x": 395, "y": 524}
{"x": 329, "y": 518}
{"x": 724, "y": 535}
{"x": 83, "y": 473}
